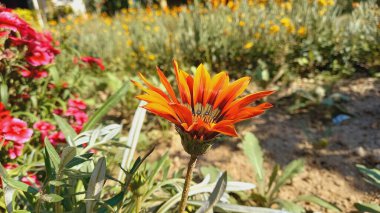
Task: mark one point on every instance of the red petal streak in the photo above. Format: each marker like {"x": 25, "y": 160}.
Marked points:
{"x": 167, "y": 85}
{"x": 183, "y": 113}
{"x": 228, "y": 94}
{"x": 243, "y": 102}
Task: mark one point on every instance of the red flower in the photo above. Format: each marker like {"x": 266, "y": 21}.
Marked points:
{"x": 58, "y": 111}
{"x": 15, "y": 150}
{"x": 57, "y": 137}
{"x": 31, "y": 179}
{"x": 43, "y": 126}
{"x": 93, "y": 61}
{"x": 4, "y": 114}
{"x": 16, "y": 130}
{"x": 77, "y": 103}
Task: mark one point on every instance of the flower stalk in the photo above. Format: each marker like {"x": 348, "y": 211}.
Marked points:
{"x": 186, "y": 187}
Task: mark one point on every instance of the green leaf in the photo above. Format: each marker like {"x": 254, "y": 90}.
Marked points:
{"x": 68, "y": 154}
{"x": 290, "y": 206}
{"x": 210, "y": 170}
{"x": 273, "y": 176}
{"x": 9, "y": 193}
{"x": 79, "y": 159}
{"x": 21, "y": 211}
{"x": 254, "y": 153}
{"x": 140, "y": 160}
{"x": 53, "y": 155}
{"x": 67, "y": 130}
{"x": 215, "y": 196}
{"x": 233, "y": 208}
{"x": 367, "y": 207}
{"x": 113, "y": 201}
{"x": 95, "y": 184}
{"x": 103, "y": 110}
{"x": 20, "y": 186}
{"x": 4, "y": 93}
{"x": 373, "y": 175}
{"x": 157, "y": 168}
{"x": 319, "y": 201}
{"x": 51, "y": 198}
{"x": 56, "y": 183}
{"x": 290, "y": 170}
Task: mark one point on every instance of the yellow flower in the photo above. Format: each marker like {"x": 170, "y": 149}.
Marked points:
{"x": 68, "y": 27}
{"x": 287, "y": 6}
{"x": 274, "y": 29}
{"x": 52, "y": 23}
{"x": 262, "y": 26}
{"x": 229, "y": 19}
{"x": 241, "y": 23}
{"x": 325, "y": 3}
{"x": 302, "y": 31}
{"x": 287, "y": 23}
{"x": 156, "y": 29}
{"x": 151, "y": 57}
{"x": 248, "y": 45}
{"x": 257, "y": 35}
{"x": 129, "y": 42}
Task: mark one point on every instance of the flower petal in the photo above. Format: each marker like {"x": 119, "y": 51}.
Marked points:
{"x": 167, "y": 85}
{"x": 228, "y": 94}
{"x": 201, "y": 84}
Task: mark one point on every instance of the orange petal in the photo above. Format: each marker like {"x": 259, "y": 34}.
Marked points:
{"x": 242, "y": 102}
{"x": 183, "y": 113}
{"x": 226, "y": 128}
{"x": 158, "y": 110}
{"x": 167, "y": 85}
{"x": 201, "y": 84}
{"x": 218, "y": 82}
{"x": 228, "y": 94}
{"x": 183, "y": 87}
{"x": 151, "y": 87}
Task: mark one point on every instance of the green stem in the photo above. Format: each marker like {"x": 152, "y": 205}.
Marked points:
{"x": 138, "y": 203}
{"x": 186, "y": 187}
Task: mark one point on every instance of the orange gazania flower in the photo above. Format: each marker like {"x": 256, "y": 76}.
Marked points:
{"x": 207, "y": 106}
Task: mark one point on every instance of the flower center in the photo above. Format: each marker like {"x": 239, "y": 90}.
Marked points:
{"x": 206, "y": 113}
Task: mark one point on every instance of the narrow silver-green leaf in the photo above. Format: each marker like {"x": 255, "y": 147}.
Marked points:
{"x": 254, "y": 153}
{"x": 372, "y": 175}
{"x": 20, "y": 186}
{"x": 215, "y": 196}
{"x": 95, "y": 185}
{"x": 290, "y": 170}
{"x": 8, "y": 197}
{"x": 233, "y": 208}
{"x": 367, "y": 207}
{"x": 319, "y": 201}
{"x": 67, "y": 130}
{"x": 103, "y": 110}
{"x": 52, "y": 198}
{"x": 54, "y": 157}
{"x": 290, "y": 206}
{"x": 68, "y": 154}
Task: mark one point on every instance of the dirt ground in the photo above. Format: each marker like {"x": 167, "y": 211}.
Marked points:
{"x": 330, "y": 170}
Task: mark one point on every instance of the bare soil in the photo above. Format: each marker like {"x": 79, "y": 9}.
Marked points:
{"x": 330, "y": 169}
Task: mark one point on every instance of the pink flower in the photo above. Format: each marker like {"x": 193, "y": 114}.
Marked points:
{"x": 15, "y": 150}
{"x": 93, "y": 61}
{"x": 77, "y": 103}
{"x": 39, "y": 55}
{"x": 4, "y": 114}
{"x": 57, "y": 137}
{"x": 58, "y": 111}
{"x": 81, "y": 118}
{"x": 44, "y": 127}
{"x": 16, "y": 130}
{"x": 31, "y": 179}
